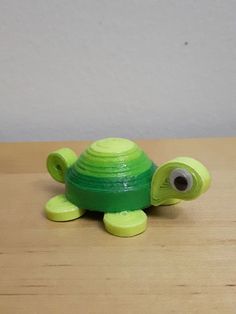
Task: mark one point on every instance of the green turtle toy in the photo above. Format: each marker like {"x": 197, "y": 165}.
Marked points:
{"x": 116, "y": 177}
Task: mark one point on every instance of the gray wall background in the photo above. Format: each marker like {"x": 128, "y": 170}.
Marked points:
{"x": 140, "y": 69}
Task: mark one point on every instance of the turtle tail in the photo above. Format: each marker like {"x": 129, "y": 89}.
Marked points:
{"x": 59, "y": 161}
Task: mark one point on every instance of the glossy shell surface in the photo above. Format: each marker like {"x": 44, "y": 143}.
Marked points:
{"x": 111, "y": 175}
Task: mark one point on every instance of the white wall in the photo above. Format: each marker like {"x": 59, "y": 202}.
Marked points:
{"x": 141, "y": 69}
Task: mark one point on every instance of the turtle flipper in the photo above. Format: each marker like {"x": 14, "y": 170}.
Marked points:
{"x": 125, "y": 223}
{"x": 59, "y": 161}
{"x": 171, "y": 201}
{"x": 58, "y": 208}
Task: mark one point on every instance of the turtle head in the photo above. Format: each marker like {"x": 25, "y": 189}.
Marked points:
{"x": 183, "y": 178}
{"x": 59, "y": 161}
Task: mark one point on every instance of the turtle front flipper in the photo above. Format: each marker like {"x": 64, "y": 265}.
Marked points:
{"x": 125, "y": 223}
{"x": 171, "y": 201}
{"x": 183, "y": 178}
{"x": 58, "y": 208}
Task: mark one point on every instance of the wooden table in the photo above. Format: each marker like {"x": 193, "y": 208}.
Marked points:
{"x": 184, "y": 263}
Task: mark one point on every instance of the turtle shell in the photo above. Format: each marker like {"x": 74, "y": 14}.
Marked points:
{"x": 111, "y": 175}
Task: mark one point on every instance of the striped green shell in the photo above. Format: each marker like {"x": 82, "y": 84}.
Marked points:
{"x": 111, "y": 175}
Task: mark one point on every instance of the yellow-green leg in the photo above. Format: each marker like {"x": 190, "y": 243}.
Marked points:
{"x": 58, "y": 208}
{"x": 125, "y": 223}
{"x": 171, "y": 201}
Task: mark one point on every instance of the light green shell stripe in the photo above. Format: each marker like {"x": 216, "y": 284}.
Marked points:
{"x": 106, "y": 159}
{"x": 115, "y": 162}
{"x": 114, "y": 168}
{"x": 112, "y": 157}
{"x": 110, "y": 183}
{"x": 79, "y": 177}
{"x": 112, "y": 146}
{"x": 108, "y": 154}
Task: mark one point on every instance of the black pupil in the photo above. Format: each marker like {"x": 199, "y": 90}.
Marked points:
{"x": 181, "y": 183}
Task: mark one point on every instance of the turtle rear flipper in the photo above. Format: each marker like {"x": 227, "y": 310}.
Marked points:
{"x": 58, "y": 208}
{"x": 59, "y": 161}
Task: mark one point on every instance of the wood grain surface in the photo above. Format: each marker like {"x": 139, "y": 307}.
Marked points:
{"x": 184, "y": 263}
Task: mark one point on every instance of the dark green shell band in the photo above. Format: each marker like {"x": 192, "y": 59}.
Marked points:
{"x": 109, "y": 194}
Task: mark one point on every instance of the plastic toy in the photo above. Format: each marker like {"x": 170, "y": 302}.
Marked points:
{"x": 116, "y": 177}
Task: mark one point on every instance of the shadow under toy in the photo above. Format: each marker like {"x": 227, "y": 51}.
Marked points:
{"x": 116, "y": 177}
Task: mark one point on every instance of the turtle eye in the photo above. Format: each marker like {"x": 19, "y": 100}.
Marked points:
{"x": 181, "y": 180}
